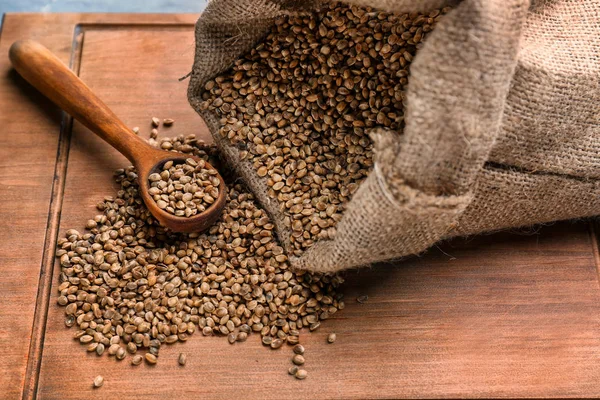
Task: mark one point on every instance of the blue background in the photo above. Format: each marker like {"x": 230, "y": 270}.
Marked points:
{"x": 135, "y": 6}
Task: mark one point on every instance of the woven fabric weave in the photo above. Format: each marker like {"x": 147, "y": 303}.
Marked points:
{"x": 502, "y": 124}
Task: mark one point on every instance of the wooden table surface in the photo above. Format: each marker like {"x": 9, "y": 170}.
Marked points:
{"x": 504, "y": 315}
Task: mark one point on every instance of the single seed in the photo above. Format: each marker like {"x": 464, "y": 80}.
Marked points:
{"x": 150, "y": 358}
{"x": 298, "y": 359}
{"x": 182, "y": 359}
{"x": 120, "y": 353}
{"x": 298, "y": 349}
{"x": 137, "y": 359}
{"x": 362, "y": 299}
{"x": 168, "y": 121}
{"x": 98, "y": 381}
{"x": 301, "y": 374}
{"x": 292, "y": 370}
{"x": 155, "y": 121}
{"x": 331, "y": 338}
{"x": 136, "y": 129}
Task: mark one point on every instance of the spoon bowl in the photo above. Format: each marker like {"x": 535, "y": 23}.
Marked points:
{"x": 44, "y": 71}
{"x": 195, "y": 223}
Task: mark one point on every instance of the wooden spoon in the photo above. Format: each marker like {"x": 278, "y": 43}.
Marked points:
{"x": 49, "y": 75}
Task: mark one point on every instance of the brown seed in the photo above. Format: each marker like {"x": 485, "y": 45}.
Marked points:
{"x": 292, "y": 370}
{"x": 298, "y": 349}
{"x": 155, "y": 121}
{"x": 98, "y": 381}
{"x": 301, "y": 374}
{"x": 362, "y": 299}
{"x": 150, "y": 358}
{"x": 120, "y": 353}
{"x": 137, "y": 359}
{"x": 112, "y": 350}
{"x": 298, "y": 359}
{"x": 331, "y": 338}
{"x": 231, "y": 338}
{"x": 182, "y": 359}
{"x": 168, "y": 121}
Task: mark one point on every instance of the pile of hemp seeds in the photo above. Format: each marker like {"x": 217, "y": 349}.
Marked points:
{"x": 129, "y": 285}
{"x": 299, "y": 107}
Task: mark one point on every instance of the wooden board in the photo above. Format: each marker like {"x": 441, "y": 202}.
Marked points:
{"x": 505, "y": 315}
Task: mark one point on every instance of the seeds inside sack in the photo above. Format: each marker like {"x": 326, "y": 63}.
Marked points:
{"x": 299, "y": 106}
{"x": 184, "y": 189}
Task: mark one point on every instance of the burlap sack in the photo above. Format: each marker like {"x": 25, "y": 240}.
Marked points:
{"x": 502, "y": 124}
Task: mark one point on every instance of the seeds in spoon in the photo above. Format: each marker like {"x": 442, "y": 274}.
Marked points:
{"x": 184, "y": 189}
{"x": 150, "y": 358}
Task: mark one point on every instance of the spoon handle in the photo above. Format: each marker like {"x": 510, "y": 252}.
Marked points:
{"x": 49, "y": 75}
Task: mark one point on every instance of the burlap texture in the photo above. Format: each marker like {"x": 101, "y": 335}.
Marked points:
{"x": 502, "y": 124}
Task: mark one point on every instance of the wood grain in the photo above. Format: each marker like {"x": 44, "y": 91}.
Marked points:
{"x": 45, "y": 72}
{"x": 505, "y": 315}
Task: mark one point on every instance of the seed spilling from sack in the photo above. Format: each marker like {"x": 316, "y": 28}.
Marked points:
{"x": 184, "y": 189}
{"x": 129, "y": 283}
{"x": 300, "y": 106}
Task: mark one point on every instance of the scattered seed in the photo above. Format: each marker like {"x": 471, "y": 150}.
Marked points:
{"x": 298, "y": 349}
{"x": 168, "y": 121}
{"x": 301, "y": 374}
{"x": 331, "y": 338}
{"x": 150, "y": 358}
{"x": 232, "y": 338}
{"x": 98, "y": 381}
{"x": 137, "y": 359}
{"x": 182, "y": 359}
{"x": 155, "y": 121}
{"x": 298, "y": 359}
{"x": 136, "y": 129}
{"x": 362, "y": 299}
{"x": 292, "y": 370}
{"x": 120, "y": 353}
